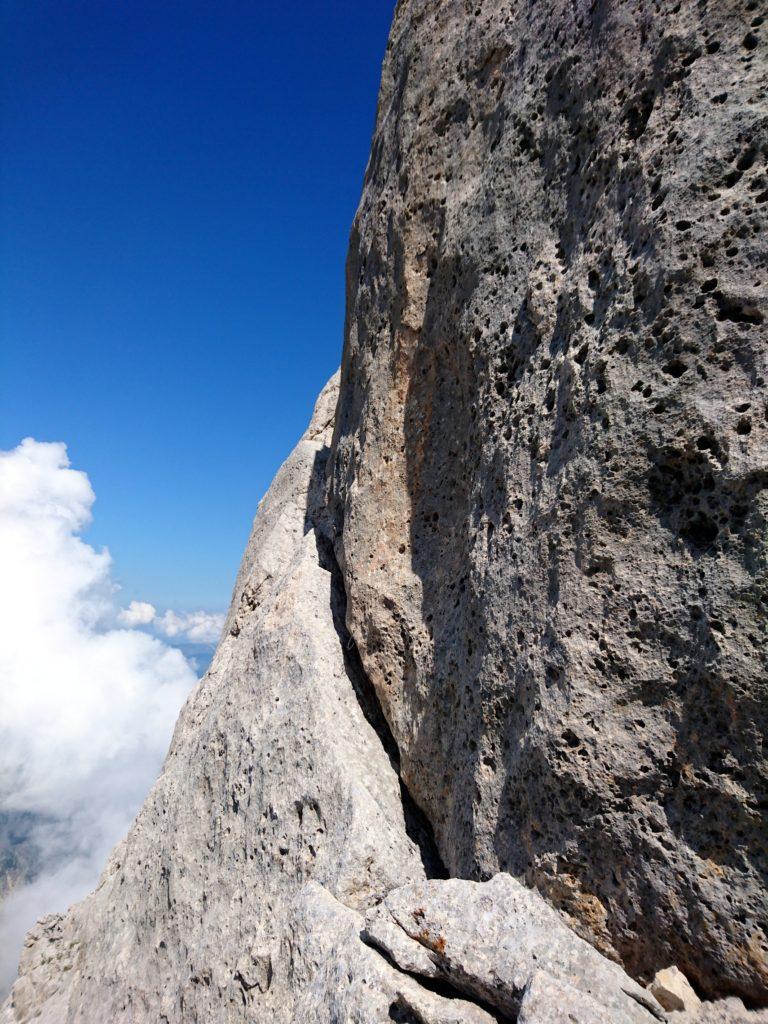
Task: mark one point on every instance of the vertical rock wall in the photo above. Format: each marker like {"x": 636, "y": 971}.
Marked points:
{"x": 542, "y": 515}
{"x": 550, "y": 458}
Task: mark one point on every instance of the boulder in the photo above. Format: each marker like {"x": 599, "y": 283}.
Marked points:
{"x": 502, "y": 944}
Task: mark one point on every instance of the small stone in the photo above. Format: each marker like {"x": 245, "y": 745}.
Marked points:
{"x": 673, "y": 990}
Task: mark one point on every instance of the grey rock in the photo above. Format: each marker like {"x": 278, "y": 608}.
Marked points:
{"x": 336, "y": 977}
{"x": 274, "y": 776}
{"x": 501, "y": 943}
{"x": 509, "y": 587}
{"x": 550, "y": 459}
{"x": 721, "y": 1011}
{"x": 383, "y": 931}
{"x": 673, "y": 990}
{"x": 546, "y": 999}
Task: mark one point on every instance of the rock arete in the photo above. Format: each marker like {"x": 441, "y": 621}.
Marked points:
{"x": 483, "y": 740}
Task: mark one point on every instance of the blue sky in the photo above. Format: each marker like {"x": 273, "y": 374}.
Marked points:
{"x": 177, "y": 187}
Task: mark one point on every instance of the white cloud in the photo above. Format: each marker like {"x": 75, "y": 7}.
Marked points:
{"x": 199, "y": 627}
{"x": 138, "y": 613}
{"x": 86, "y": 709}
{"x": 196, "y": 627}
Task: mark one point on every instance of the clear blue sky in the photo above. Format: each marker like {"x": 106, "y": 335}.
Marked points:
{"x": 177, "y": 185}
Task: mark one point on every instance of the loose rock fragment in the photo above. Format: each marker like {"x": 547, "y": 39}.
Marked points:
{"x": 673, "y": 990}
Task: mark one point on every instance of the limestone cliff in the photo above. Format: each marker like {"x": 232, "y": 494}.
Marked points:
{"x": 483, "y": 739}
{"x": 550, "y": 459}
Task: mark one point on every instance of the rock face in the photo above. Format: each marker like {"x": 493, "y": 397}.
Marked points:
{"x": 274, "y": 777}
{"x": 277, "y": 822}
{"x": 502, "y": 613}
{"x": 550, "y": 459}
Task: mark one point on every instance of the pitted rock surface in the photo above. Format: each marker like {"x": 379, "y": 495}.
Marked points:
{"x": 502, "y": 613}
{"x": 550, "y": 462}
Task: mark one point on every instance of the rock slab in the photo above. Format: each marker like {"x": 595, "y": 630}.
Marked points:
{"x": 502, "y": 615}
{"x": 550, "y": 459}
{"x": 502, "y": 944}
{"x": 275, "y": 778}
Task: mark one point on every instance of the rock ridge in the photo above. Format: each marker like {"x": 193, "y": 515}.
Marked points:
{"x": 482, "y": 740}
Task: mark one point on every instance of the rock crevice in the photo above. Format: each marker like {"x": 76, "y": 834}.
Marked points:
{"x": 483, "y": 738}
{"x": 549, "y": 461}
{"x": 417, "y": 825}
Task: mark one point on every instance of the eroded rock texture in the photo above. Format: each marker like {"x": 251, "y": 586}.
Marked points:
{"x": 540, "y": 520}
{"x": 550, "y": 459}
{"x": 275, "y": 777}
{"x": 277, "y": 822}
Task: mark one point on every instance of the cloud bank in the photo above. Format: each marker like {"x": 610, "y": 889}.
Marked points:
{"x": 197, "y": 627}
{"x": 87, "y": 700}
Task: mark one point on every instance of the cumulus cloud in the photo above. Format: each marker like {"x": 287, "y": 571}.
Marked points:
{"x": 138, "y": 613}
{"x": 199, "y": 627}
{"x": 196, "y": 627}
{"x": 87, "y": 701}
